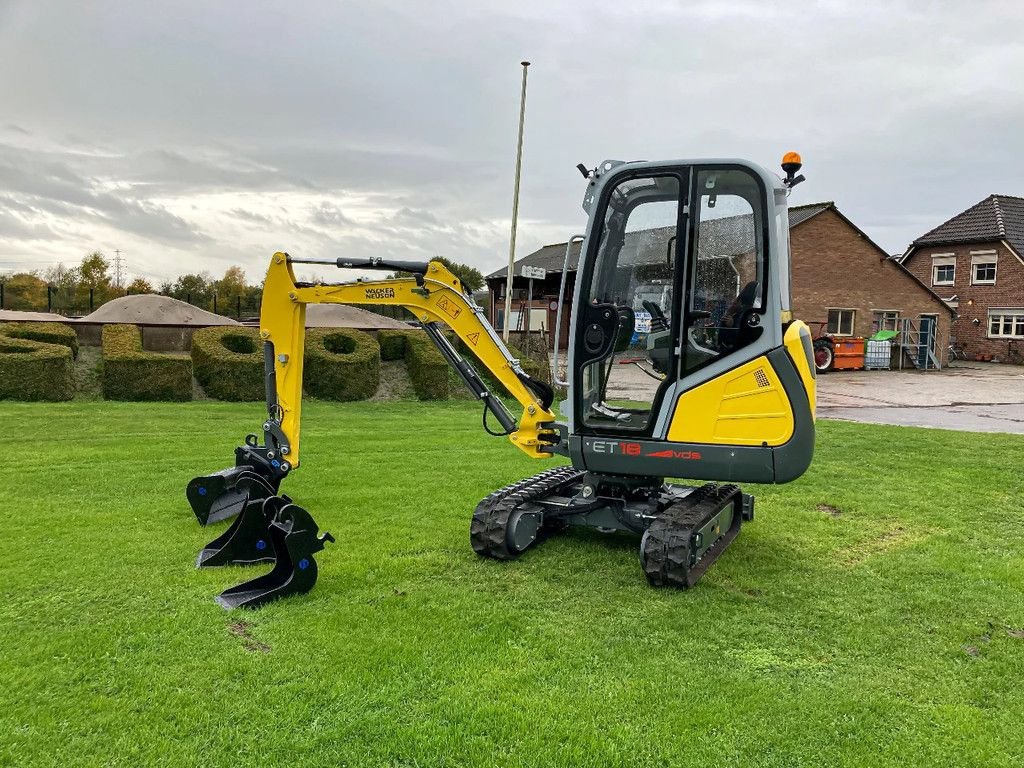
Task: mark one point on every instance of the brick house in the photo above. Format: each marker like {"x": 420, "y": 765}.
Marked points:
{"x": 976, "y": 262}
{"x": 844, "y": 279}
{"x": 840, "y": 278}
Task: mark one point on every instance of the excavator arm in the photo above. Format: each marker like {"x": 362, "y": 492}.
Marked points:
{"x": 435, "y": 296}
{"x": 270, "y": 527}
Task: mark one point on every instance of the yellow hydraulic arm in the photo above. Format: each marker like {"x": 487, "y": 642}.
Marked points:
{"x": 434, "y": 295}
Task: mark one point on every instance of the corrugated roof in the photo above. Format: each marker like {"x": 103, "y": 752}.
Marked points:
{"x": 726, "y": 239}
{"x": 997, "y": 217}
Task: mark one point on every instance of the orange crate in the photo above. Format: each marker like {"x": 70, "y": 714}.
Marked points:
{"x": 849, "y": 354}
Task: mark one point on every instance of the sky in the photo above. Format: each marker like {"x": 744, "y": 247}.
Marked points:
{"x": 193, "y": 136}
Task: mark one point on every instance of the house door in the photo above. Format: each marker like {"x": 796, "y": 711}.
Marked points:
{"x": 928, "y": 326}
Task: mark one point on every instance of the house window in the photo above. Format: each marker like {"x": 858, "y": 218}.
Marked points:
{"x": 944, "y": 274}
{"x": 1006, "y": 323}
{"x": 983, "y": 267}
{"x": 886, "y": 320}
{"x": 840, "y": 321}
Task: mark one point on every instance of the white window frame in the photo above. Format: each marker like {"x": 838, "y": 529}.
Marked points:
{"x": 943, "y": 260}
{"x": 1016, "y": 321}
{"x": 839, "y": 322}
{"x": 984, "y": 258}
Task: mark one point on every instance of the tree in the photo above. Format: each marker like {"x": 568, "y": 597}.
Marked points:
{"x": 25, "y": 291}
{"x": 230, "y": 289}
{"x": 140, "y": 285}
{"x": 471, "y": 277}
{"x": 95, "y": 270}
{"x": 196, "y": 289}
{"x": 64, "y": 283}
{"x": 94, "y": 278}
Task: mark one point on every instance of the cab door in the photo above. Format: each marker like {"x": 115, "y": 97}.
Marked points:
{"x": 674, "y": 287}
{"x": 625, "y": 354}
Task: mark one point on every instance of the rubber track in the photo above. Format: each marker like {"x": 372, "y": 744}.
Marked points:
{"x": 489, "y": 529}
{"x": 665, "y": 547}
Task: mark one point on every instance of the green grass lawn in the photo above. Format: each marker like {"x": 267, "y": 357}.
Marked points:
{"x": 872, "y": 614}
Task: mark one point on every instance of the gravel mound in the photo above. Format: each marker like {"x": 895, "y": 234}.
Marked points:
{"x": 151, "y": 309}
{"x": 16, "y": 316}
{"x": 342, "y": 316}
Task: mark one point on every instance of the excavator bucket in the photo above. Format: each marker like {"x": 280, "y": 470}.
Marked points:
{"x": 295, "y": 538}
{"x": 247, "y": 540}
{"x": 223, "y": 494}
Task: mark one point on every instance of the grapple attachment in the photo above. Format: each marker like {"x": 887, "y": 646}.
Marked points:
{"x": 295, "y": 538}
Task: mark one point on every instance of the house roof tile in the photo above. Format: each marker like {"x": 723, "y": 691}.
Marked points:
{"x": 997, "y": 217}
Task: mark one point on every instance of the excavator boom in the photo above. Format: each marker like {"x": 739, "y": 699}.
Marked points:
{"x": 435, "y": 296}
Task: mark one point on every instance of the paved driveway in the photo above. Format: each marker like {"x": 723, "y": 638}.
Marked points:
{"x": 974, "y": 397}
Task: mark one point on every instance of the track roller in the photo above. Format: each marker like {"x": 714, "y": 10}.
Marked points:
{"x": 508, "y": 521}
{"x": 682, "y": 543}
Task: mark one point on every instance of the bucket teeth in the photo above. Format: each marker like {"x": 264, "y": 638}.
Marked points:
{"x": 224, "y": 494}
{"x": 295, "y": 538}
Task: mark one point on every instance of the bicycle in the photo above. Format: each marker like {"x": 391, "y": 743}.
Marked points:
{"x": 957, "y": 351}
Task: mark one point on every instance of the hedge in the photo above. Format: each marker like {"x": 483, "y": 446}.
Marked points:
{"x": 129, "y": 373}
{"x": 48, "y": 333}
{"x": 228, "y": 363}
{"x": 33, "y": 370}
{"x": 428, "y": 370}
{"x": 341, "y": 364}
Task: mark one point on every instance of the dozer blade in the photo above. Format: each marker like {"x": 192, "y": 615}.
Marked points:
{"x": 295, "y": 538}
{"x": 247, "y": 540}
{"x": 223, "y": 494}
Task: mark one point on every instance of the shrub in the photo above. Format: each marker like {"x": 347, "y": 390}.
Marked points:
{"x": 392, "y": 344}
{"x": 33, "y": 370}
{"x": 129, "y": 373}
{"x": 228, "y": 362}
{"x": 428, "y": 370}
{"x": 341, "y": 364}
{"x": 48, "y": 333}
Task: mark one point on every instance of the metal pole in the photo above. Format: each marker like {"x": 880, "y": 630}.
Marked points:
{"x": 529, "y": 311}
{"x": 49, "y": 298}
{"x": 515, "y": 204}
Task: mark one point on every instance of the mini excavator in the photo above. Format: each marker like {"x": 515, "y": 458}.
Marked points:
{"x": 684, "y": 360}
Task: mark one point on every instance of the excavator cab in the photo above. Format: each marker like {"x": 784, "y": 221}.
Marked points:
{"x": 684, "y": 360}
{"x": 713, "y": 376}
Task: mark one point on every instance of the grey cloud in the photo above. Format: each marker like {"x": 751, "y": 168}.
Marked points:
{"x": 256, "y": 218}
{"x": 905, "y": 112}
{"x": 328, "y": 215}
{"x": 50, "y": 183}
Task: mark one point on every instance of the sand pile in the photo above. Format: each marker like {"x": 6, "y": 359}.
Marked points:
{"x": 150, "y": 309}
{"x": 341, "y": 316}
